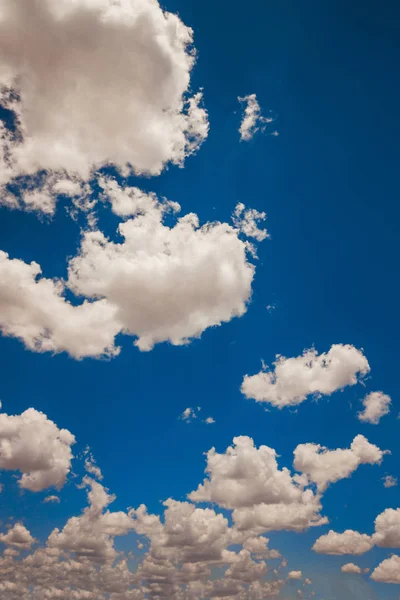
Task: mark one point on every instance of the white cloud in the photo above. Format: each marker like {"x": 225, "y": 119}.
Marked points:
{"x": 189, "y": 414}
{"x": 263, "y": 498}
{"x": 295, "y": 575}
{"x": 323, "y": 466}
{"x": 387, "y": 529}
{"x": 52, "y": 499}
{"x": 351, "y": 568}
{"x": 18, "y": 537}
{"x": 389, "y": 481}
{"x": 388, "y": 571}
{"x": 246, "y": 220}
{"x": 376, "y": 406}
{"x": 349, "y": 542}
{"x": 252, "y": 120}
{"x": 95, "y": 82}
{"x": 293, "y": 379}
{"x": 34, "y": 310}
{"x": 159, "y": 284}
{"x": 209, "y": 421}
{"x": 90, "y": 465}
{"x": 34, "y": 445}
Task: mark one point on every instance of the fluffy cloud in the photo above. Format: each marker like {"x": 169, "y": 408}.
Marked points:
{"x": 34, "y": 445}
{"x": 248, "y": 481}
{"x": 349, "y": 542}
{"x": 95, "y": 82}
{"x": 160, "y": 284}
{"x": 91, "y": 535}
{"x": 323, "y": 466}
{"x": 376, "y": 406}
{"x": 252, "y": 120}
{"x": 389, "y": 481}
{"x": 293, "y": 379}
{"x": 387, "y": 529}
{"x": 388, "y": 571}
{"x": 351, "y": 568}
{"x": 18, "y": 537}
{"x": 34, "y": 310}
{"x": 52, "y": 500}
{"x": 295, "y": 575}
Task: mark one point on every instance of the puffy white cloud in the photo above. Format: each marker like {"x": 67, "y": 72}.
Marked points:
{"x": 18, "y": 536}
{"x": 34, "y": 310}
{"x": 95, "y": 82}
{"x": 252, "y": 120}
{"x": 387, "y": 529}
{"x": 376, "y": 406}
{"x": 91, "y": 535}
{"x": 348, "y": 542}
{"x": 351, "y": 568}
{"x": 34, "y": 445}
{"x": 246, "y": 220}
{"x": 295, "y": 575}
{"x": 323, "y": 466}
{"x": 263, "y": 498}
{"x": 210, "y": 421}
{"x": 389, "y": 481}
{"x": 293, "y": 379}
{"x": 165, "y": 283}
{"x": 388, "y": 571}
{"x": 160, "y": 284}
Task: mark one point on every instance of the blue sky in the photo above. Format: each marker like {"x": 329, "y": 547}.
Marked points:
{"x": 329, "y": 186}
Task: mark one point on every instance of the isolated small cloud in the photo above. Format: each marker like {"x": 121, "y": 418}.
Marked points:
{"x": 351, "y": 568}
{"x": 189, "y": 414}
{"x": 18, "y": 537}
{"x": 52, "y": 500}
{"x": 294, "y": 379}
{"x": 252, "y": 120}
{"x": 376, "y": 406}
{"x": 209, "y": 420}
{"x": 390, "y": 481}
{"x": 295, "y": 575}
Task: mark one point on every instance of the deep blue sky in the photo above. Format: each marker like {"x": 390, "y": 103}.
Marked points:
{"x": 329, "y": 184}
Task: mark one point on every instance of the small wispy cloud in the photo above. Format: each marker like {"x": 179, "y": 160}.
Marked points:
{"x": 252, "y": 120}
{"x": 52, "y": 499}
{"x": 390, "y": 481}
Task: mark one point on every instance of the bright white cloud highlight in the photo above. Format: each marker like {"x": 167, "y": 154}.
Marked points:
{"x": 323, "y": 466}
{"x": 349, "y": 542}
{"x": 351, "y": 568}
{"x": 252, "y": 120}
{"x": 376, "y": 406}
{"x": 160, "y": 284}
{"x": 263, "y": 498}
{"x": 295, "y": 575}
{"x": 95, "y": 82}
{"x": 35, "y": 446}
{"x": 387, "y": 529}
{"x": 294, "y": 379}
{"x": 388, "y": 571}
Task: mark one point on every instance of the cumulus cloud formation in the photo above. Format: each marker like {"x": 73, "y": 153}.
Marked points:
{"x": 263, "y": 498}
{"x": 18, "y": 537}
{"x": 294, "y": 379}
{"x": 35, "y": 446}
{"x": 387, "y": 529}
{"x": 161, "y": 283}
{"x": 323, "y": 466}
{"x": 95, "y": 82}
{"x": 349, "y": 542}
{"x": 351, "y": 568}
{"x": 252, "y": 120}
{"x": 295, "y": 575}
{"x": 34, "y": 310}
{"x": 388, "y": 571}
{"x": 376, "y": 406}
